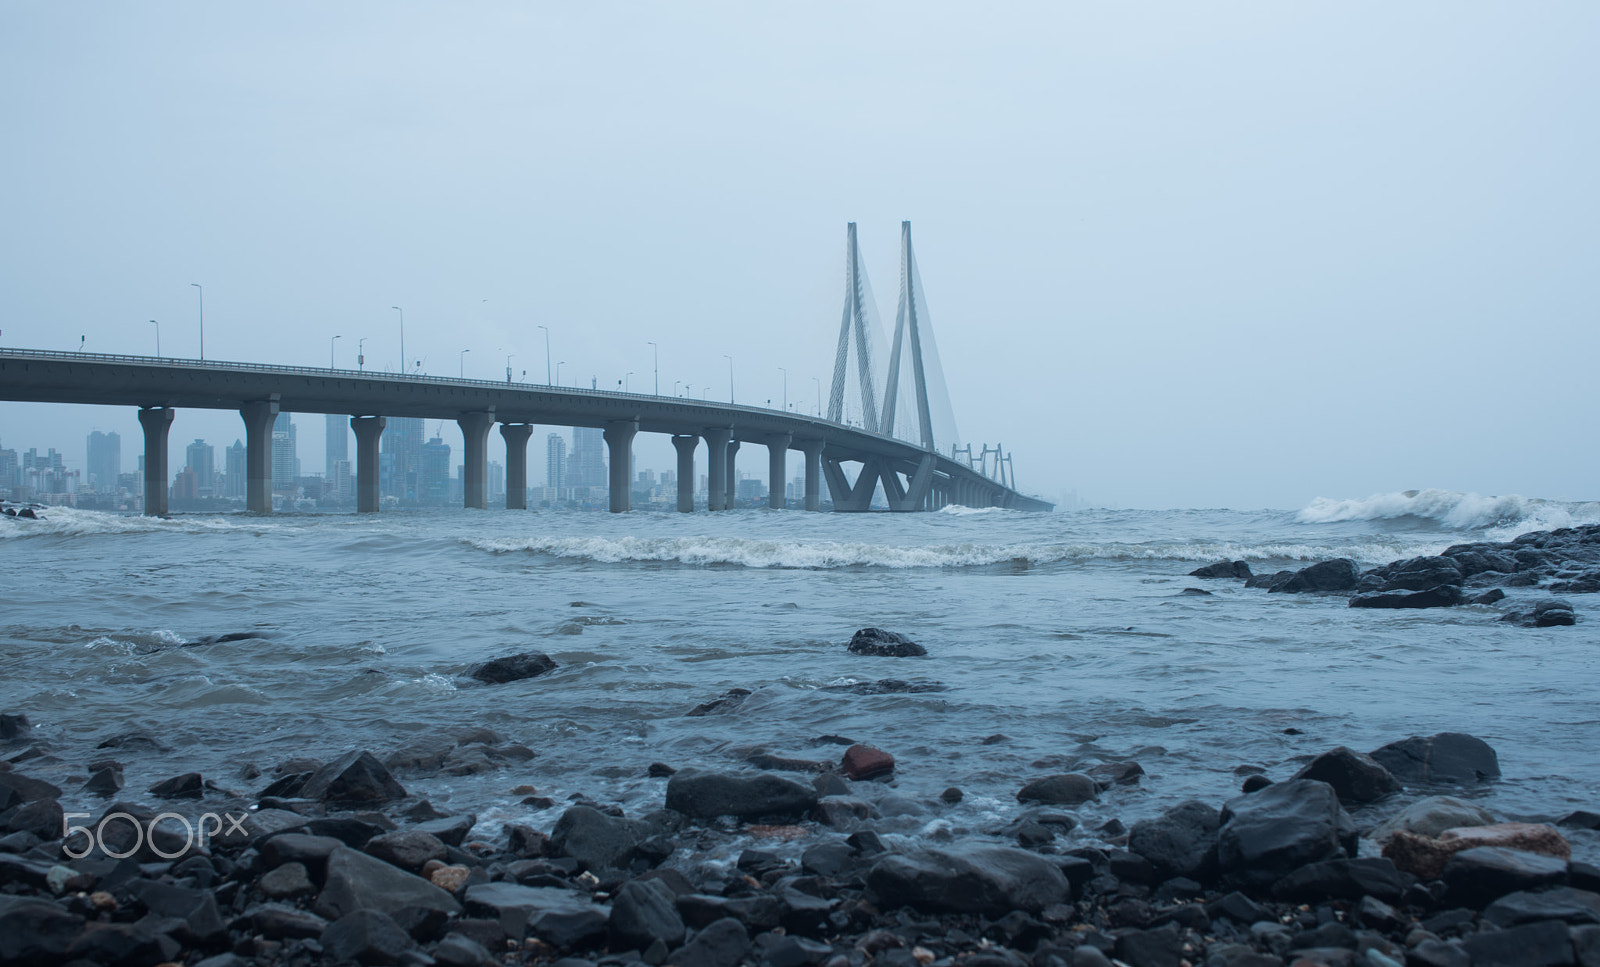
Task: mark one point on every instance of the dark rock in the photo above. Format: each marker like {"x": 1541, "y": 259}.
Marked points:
{"x": 793, "y": 951}
{"x": 721, "y": 944}
{"x": 1545, "y": 613}
{"x": 1439, "y": 596}
{"x": 951, "y": 796}
{"x": 1448, "y": 757}
{"x": 513, "y": 668}
{"x": 1488, "y": 597}
{"x": 884, "y": 644}
{"x": 766, "y": 760}
{"x": 355, "y": 777}
{"x": 1223, "y": 569}
{"x": 1268, "y": 580}
{"x": 865, "y": 762}
{"x": 1576, "y": 907}
{"x": 1068, "y": 789}
{"x": 14, "y": 726}
{"x": 1355, "y": 778}
{"x": 1238, "y": 908}
{"x": 1161, "y": 947}
{"x": 1437, "y": 953}
{"x": 827, "y": 859}
{"x": 459, "y": 950}
{"x": 887, "y": 686}
{"x": 1580, "y": 819}
{"x": 355, "y": 881}
{"x": 34, "y": 932}
{"x": 1534, "y": 945}
{"x": 1254, "y": 783}
{"x": 195, "y": 909}
{"x": 1116, "y": 773}
{"x": 1181, "y": 842}
{"x": 277, "y": 922}
{"x": 1475, "y": 877}
{"x": 1340, "y": 574}
{"x": 122, "y": 943}
{"x": 1342, "y": 879}
{"x": 41, "y": 818}
{"x": 541, "y": 911}
{"x": 992, "y": 881}
{"x": 187, "y": 786}
{"x": 659, "y": 770}
{"x": 366, "y": 937}
{"x": 1420, "y": 574}
{"x": 25, "y": 788}
{"x": 310, "y": 851}
{"x": 407, "y": 849}
{"x": 105, "y": 781}
{"x": 1196, "y": 592}
{"x": 644, "y": 911}
{"x": 727, "y": 703}
{"x": 1266, "y": 835}
{"x": 707, "y": 794}
{"x": 449, "y": 830}
{"x": 597, "y": 841}
{"x": 285, "y": 882}
{"x": 843, "y": 811}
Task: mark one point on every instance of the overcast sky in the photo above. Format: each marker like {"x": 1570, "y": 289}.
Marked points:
{"x": 1220, "y": 254}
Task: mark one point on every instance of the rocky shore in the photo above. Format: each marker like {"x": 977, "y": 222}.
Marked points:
{"x": 788, "y": 863}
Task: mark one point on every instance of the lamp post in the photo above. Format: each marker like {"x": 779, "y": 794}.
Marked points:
{"x": 509, "y": 357}
{"x": 546, "y": 354}
{"x": 559, "y": 364}
{"x": 461, "y": 364}
{"x": 202, "y": 319}
{"x": 158, "y": 337}
{"x": 819, "y": 394}
{"x": 785, "y": 388}
{"x": 625, "y": 380}
{"x": 402, "y": 338}
{"x": 675, "y": 386}
{"x": 330, "y": 350}
{"x": 730, "y": 376}
{"x": 361, "y": 355}
{"x": 656, "y": 361}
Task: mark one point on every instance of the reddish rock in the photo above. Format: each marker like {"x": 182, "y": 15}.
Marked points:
{"x": 865, "y": 762}
{"x": 1426, "y": 857}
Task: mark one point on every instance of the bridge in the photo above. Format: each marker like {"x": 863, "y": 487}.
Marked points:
{"x": 859, "y": 429}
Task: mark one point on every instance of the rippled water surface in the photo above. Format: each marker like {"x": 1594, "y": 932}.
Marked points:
{"x": 1067, "y": 634}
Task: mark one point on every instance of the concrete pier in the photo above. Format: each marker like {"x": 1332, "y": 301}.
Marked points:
{"x": 777, "y": 468}
{"x": 619, "y": 436}
{"x": 258, "y": 416}
{"x": 717, "y": 467}
{"x": 157, "y": 423}
{"x": 813, "y": 451}
{"x": 369, "y": 431}
{"x": 475, "y": 464}
{"x": 732, "y": 485}
{"x": 685, "y": 444}
{"x": 516, "y": 435}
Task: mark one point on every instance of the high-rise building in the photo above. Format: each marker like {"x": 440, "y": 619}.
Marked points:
{"x": 105, "y": 461}
{"x": 201, "y": 458}
{"x": 285, "y": 465}
{"x": 337, "y": 446}
{"x": 234, "y": 482}
{"x": 586, "y": 464}
{"x": 497, "y": 480}
{"x": 400, "y": 459}
{"x": 555, "y": 463}
{"x": 10, "y": 471}
{"x": 435, "y": 473}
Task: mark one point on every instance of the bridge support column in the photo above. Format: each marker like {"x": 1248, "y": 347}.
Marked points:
{"x": 619, "y": 444}
{"x": 475, "y": 465}
{"x": 733, "y": 477}
{"x": 777, "y": 469}
{"x": 258, "y": 415}
{"x": 717, "y": 467}
{"x": 813, "y": 451}
{"x": 157, "y": 423}
{"x": 369, "y": 431}
{"x": 685, "y": 444}
{"x": 516, "y": 435}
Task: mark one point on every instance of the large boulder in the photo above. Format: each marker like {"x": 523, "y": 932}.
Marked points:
{"x": 1223, "y": 569}
{"x": 355, "y": 881}
{"x": 991, "y": 881}
{"x": 1544, "y": 613}
{"x": 595, "y": 840}
{"x": 1448, "y": 757}
{"x": 1342, "y": 879}
{"x": 643, "y": 912}
{"x": 1180, "y": 842}
{"x": 1432, "y": 816}
{"x": 560, "y": 916}
{"x": 1478, "y": 876}
{"x": 355, "y": 777}
{"x": 1426, "y": 856}
{"x": 1268, "y": 834}
{"x": 1068, "y": 789}
{"x": 366, "y": 937}
{"x": 1340, "y": 574}
{"x": 513, "y": 668}
{"x": 1559, "y": 903}
{"x": 1419, "y": 574}
{"x": 35, "y": 932}
{"x": 1440, "y": 596}
{"x": 886, "y": 644}
{"x": 1355, "y": 778}
{"x": 708, "y": 794}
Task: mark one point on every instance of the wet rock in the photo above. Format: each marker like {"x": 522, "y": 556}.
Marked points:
{"x": 791, "y": 951}
{"x": 1576, "y": 907}
{"x": 41, "y": 818}
{"x": 863, "y": 762}
{"x": 1342, "y": 879}
{"x": 513, "y": 668}
{"x": 187, "y": 786}
{"x": 643, "y": 912}
{"x": 1181, "y": 842}
{"x": 1223, "y": 569}
{"x": 708, "y": 794}
{"x": 1419, "y": 574}
{"x": 765, "y": 760}
{"x": 845, "y": 811}
{"x": 279, "y": 922}
{"x": 1534, "y": 945}
{"x": 1425, "y": 857}
{"x": 1432, "y": 816}
{"x": 1116, "y": 773}
{"x": 1196, "y": 592}
{"x": 1440, "y": 596}
{"x": 134, "y": 742}
{"x": 1488, "y": 597}
{"x": 1161, "y": 947}
{"x": 23, "y": 788}
{"x": 1254, "y": 783}
{"x": 355, "y": 881}
{"x": 35, "y": 932}
{"x": 951, "y": 796}
{"x": 1448, "y": 757}
{"x": 722, "y": 943}
{"x": 597, "y": 841}
{"x": 884, "y": 644}
{"x": 310, "y": 851}
{"x": 565, "y": 917}
{"x": 726, "y": 704}
{"x": 14, "y": 727}
{"x": 1340, "y": 574}
{"x": 408, "y": 849}
{"x": 459, "y": 950}
{"x": 1355, "y": 778}
{"x": 105, "y": 781}
{"x": 1475, "y": 877}
{"x": 355, "y": 777}
{"x": 286, "y": 882}
{"x": 991, "y": 881}
{"x": 122, "y": 943}
{"x": 1268, "y": 834}
{"x": 886, "y": 686}
{"x": 366, "y": 937}
{"x": 1548, "y": 613}
{"x": 423, "y": 756}
{"x": 1067, "y": 789}
{"x": 1268, "y": 580}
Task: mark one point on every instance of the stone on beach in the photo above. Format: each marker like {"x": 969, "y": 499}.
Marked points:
{"x": 513, "y": 668}
{"x": 884, "y": 644}
{"x": 1426, "y": 856}
{"x": 1223, "y": 569}
{"x": 865, "y": 762}
{"x": 355, "y": 881}
{"x": 1067, "y": 789}
{"x": 1339, "y": 574}
{"x": 991, "y": 881}
{"x": 1432, "y": 816}
{"x": 727, "y": 703}
{"x": 597, "y": 841}
{"x": 1182, "y": 841}
{"x": 1267, "y": 835}
{"x": 1448, "y": 757}
{"x": 1355, "y": 778}
{"x": 1442, "y": 596}
{"x": 707, "y": 794}
{"x": 355, "y": 777}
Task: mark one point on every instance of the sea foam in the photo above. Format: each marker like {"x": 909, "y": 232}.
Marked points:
{"x": 1504, "y": 516}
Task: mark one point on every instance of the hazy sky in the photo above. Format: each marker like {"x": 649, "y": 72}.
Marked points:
{"x": 1221, "y": 254}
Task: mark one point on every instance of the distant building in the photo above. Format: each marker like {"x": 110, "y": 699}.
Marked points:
{"x": 435, "y": 473}
{"x": 285, "y": 465}
{"x": 497, "y": 480}
{"x": 586, "y": 464}
{"x": 186, "y": 485}
{"x": 339, "y": 482}
{"x": 201, "y": 458}
{"x": 400, "y": 459}
{"x": 10, "y": 471}
{"x": 235, "y": 482}
{"x": 555, "y": 464}
{"x": 105, "y": 461}
{"x": 337, "y": 445}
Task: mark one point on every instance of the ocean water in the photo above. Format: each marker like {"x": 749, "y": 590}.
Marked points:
{"x": 1063, "y": 640}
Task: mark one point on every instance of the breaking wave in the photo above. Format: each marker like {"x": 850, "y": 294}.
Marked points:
{"x": 1509, "y": 515}
{"x": 72, "y": 522}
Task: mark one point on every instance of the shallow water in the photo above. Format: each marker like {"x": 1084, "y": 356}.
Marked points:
{"x": 1067, "y": 634}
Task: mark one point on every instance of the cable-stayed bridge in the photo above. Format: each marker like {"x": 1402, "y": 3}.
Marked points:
{"x": 889, "y": 431}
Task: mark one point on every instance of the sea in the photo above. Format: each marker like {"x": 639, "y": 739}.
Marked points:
{"x": 1057, "y": 641}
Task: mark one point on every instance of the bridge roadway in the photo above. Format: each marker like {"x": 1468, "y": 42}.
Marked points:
{"x": 913, "y": 478}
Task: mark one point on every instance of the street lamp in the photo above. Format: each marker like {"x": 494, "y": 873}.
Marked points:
{"x": 730, "y": 376}
{"x": 461, "y": 361}
{"x": 361, "y": 355}
{"x": 656, "y": 360}
{"x": 675, "y": 386}
{"x": 819, "y": 394}
{"x": 202, "y": 319}
{"x": 158, "y": 337}
{"x": 402, "y": 338}
{"x": 546, "y": 355}
{"x": 625, "y": 381}
{"x": 330, "y": 350}
{"x": 559, "y": 364}
{"x": 509, "y": 357}
{"x": 785, "y": 389}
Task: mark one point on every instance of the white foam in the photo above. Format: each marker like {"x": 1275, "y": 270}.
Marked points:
{"x": 72, "y": 522}
{"x": 1506, "y": 516}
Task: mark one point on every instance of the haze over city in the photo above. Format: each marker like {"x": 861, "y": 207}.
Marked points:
{"x": 1244, "y": 255}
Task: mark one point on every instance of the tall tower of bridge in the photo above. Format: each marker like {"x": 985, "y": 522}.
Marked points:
{"x": 854, "y": 394}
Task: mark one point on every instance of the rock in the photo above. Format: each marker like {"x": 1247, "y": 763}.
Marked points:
{"x": 1420, "y": 574}
{"x": 886, "y": 686}
{"x": 460, "y": 950}
{"x": 884, "y": 644}
{"x": 34, "y": 932}
{"x": 645, "y": 911}
{"x": 708, "y": 794}
{"x": 1440, "y": 596}
{"x": 1161, "y": 947}
{"x": 991, "y": 881}
{"x": 310, "y": 851}
{"x": 25, "y": 788}
{"x": 278, "y": 922}
{"x": 1448, "y": 757}
{"x": 1545, "y": 613}
{"x": 407, "y": 849}
{"x": 1268, "y": 580}
{"x": 187, "y": 786}
{"x": 1477, "y": 876}
{"x": 121, "y": 943}
{"x": 41, "y": 818}
{"x": 1426, "y": 857}
{"x": 106, "y": 781}
{"x": 1254, "y": 783}
{"x": 951, "y": 796}
{"x": 513, "y": 668}
{"x": 355, "y": 777}
{"x": 766, "y": 760}
{"x": 1342, "y": 879}
{"x": 355, "y": 881}
{"x": 1181, "y": 842}
{"x": 722, "y": 943}
{"x": 1223, "y": 569}
{"x": 1534, "y": 945}
{"x": 865, "y": 762}
{"x": 1488, "y": 597}
{"x": 449, "y": 830}
{"x": 1355, "y": 778}
{"x": 1068, "y": 789}
{"x": 791, "y": 951}
{"x": 726, "y": 704}
{"x": 1268, "y": 834}
{"x": 595, "y": 840}
{"x": 1340, "y": 574}
{"x": 366, "y": 937}
{"x": 1563, "y": 903}
{"x": 14, "y": 726}
{"x": 1432, "y": 816}
{"x": 285, "y": 882}
{"x": 1116, "y": 773}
